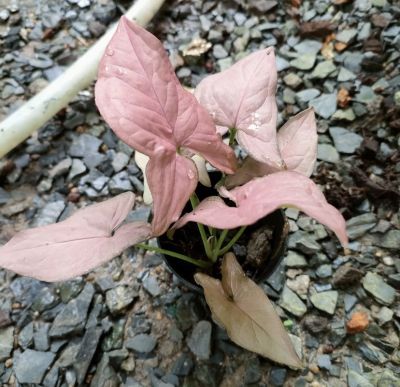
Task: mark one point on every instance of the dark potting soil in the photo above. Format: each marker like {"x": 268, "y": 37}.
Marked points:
{"x": 259, "y": 250}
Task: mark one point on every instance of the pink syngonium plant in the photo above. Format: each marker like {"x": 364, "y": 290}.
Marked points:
{"x": 140, "y": 97}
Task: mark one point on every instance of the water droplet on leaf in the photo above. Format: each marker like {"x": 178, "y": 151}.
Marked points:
{"x": 254, "y": 127}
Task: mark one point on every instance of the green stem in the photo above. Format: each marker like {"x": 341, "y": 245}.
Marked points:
{"x": 221, "y": 239}
{"x": 232, "y": 135}
{"x": 213, "y": 238}
{"x": 194, "y": 202}
{"x": 233, "y": 240}
{"x": 183, "y": 257}
{"x": 212, "y": 231}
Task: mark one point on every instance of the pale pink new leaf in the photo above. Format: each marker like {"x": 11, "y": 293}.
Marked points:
{"x": 85, "y": 240}
{"x": 140, "y": 97}
{"x": 243, "y": 97}
{"x": 264, "y": 195}
{"x": 297, "y": 140}
{"x": 195, "y": 130}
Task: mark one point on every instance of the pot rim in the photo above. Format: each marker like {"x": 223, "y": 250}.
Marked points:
{"x": 270, "y": 266}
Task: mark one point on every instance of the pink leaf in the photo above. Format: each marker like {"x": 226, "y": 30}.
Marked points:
{"x": 169, "y": 174}
{"x": 297, "y": 140}
{"x": 195, "y": 130}
{"x": 136, "y": 91}
{"x": 85, "y": 240}
{"x": 140, "y": 97}
{"x": 243, "y": 97}
{"x": 264, "y": 195}
{"x": 248, "y": 316}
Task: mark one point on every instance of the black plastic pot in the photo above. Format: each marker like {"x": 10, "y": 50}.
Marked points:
{"x": 187, "y": 241}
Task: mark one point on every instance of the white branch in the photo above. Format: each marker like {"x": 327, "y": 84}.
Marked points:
{"x": 39, "y": 109}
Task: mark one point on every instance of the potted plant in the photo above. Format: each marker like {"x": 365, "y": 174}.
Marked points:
{"x": 140, "y": 97}
{"x": 259, "y": 247}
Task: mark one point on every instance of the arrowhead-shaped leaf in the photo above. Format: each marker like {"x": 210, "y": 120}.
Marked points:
{"x": 243, "y": 97}
{"x": 297, "y": 140}
{"x": 85, "y": 240}
{"x": 166, "y": 172}
{"x": 140, "y": 97}
{"x": 263, "y": 195}
{"x": 172, "y": 179}
{"x": 243, "y": 309}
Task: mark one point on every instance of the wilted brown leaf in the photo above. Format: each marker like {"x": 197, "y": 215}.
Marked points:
{"x": 6, "y": 167}
{"x": 259, "y": 6}
{"x": 357, "y": 323}
{"x": 330, "y": 38}
{"x": 373, "y": 45}
{"x": 197, "y": 47}
{"x": 379, "y": 20}
{"x": 4, "y": 318}
{"x": 242, "y": 307}
{"x": 340, "y": 46}
{"x": 377, "y": 188}
{"x": 327, "y": 47}
{"x": 339, "y": 2}
{"x": 343, "y": 98}
{"x": 317, "y": 29}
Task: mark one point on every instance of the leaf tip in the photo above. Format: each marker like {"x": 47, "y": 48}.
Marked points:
{"x": 124, "y": 21}
{"x": 270, "y": 50}
{"x": 198, "y": 277}
{"x": 298, "y": 364}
